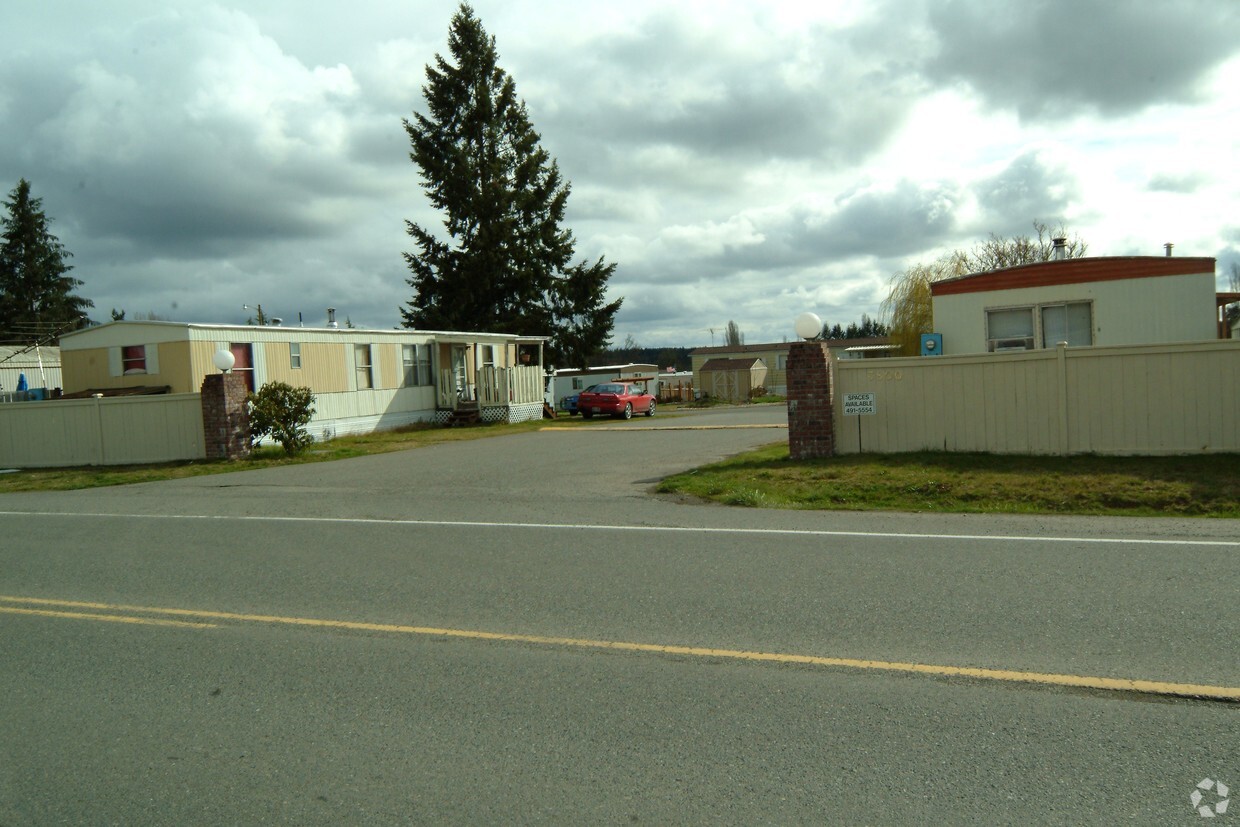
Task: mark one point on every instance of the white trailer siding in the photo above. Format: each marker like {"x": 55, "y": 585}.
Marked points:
{"x": 1145, "y": 310}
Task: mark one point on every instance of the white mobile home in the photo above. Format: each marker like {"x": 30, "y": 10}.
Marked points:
{"x": 567, "y": 382}
{"x": 40, "y": 365}
{"x": 1129, "y": 300}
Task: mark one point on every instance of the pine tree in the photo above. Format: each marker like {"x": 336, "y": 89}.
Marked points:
{"x": 507, "y": 266}
{"x": 36, "y": 293}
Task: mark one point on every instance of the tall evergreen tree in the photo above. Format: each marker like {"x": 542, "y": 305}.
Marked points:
{"x": 507, "y": 266}
{"x": 36, "y": 293}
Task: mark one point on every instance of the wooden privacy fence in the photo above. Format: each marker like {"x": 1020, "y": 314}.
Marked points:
{"x": 678, "y": 392}
{"x": 117, "y": 431}
{"x": 1147, "y": 399}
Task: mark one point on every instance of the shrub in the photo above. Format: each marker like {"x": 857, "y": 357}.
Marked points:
{"x": 282, "y": 412}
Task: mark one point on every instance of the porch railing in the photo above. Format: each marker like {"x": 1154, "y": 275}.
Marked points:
{"x": 495, "y": 387}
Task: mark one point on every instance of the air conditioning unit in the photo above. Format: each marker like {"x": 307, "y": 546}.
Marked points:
{"x": 1007, "y": 345}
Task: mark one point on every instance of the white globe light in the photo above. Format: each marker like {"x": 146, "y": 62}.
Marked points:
{"x": 808, "y": 326}
{"x": 224, "y": 360}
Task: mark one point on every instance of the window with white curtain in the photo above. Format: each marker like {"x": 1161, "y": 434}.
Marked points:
{"x": 1045, "y": 325}
{"x": 1009, "y": 329}
{"x": 1071, "y": 323}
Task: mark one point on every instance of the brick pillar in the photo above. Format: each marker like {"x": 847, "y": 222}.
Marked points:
{"x": 225, "y": 416}
{"x": 811, "y": 418}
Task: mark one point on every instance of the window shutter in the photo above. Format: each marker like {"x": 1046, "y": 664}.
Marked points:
{"x": 152, "y": 358}
{"x": 115, "y": 363}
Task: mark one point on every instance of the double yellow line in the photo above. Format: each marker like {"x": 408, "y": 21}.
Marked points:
{"x": 119, "y": 613}
{"x": 107, "y": 618}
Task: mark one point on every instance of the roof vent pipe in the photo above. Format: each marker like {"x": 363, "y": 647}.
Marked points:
{"x": 331, "y": 318}
{"x": 1168, "y": 247}
{"x": 1060, "y": 251}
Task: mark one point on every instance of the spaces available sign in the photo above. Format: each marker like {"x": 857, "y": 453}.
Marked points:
{"x": 859, "y": 404}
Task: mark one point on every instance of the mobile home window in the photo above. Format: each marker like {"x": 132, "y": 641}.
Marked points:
{"x": 416, "y": 361}
{"x": 294, "y": 355}
{"x": 243, "y": 362}
{"x": 488, "y": 356}
{"x": 133, "y": 359}
{"x": 1071, "y": 323}
{"x": 361, "y": 360}
{"x": 1009, "y": 329}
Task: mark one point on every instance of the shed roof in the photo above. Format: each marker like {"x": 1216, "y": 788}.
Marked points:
{"x": 732, "y": 364}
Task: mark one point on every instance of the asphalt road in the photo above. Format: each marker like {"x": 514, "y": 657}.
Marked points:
{"x": 514, "y": 630}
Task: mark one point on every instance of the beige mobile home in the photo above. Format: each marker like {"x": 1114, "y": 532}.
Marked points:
{"x": 363, "y": 380}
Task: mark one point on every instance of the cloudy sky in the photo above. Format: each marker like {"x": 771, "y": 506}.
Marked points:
{"x": 741, "y": 161}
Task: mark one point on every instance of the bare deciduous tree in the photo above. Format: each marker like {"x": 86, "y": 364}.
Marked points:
{"x": 907, "y": 309}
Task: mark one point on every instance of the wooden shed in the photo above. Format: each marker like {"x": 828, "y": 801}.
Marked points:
{"x": 732, "y": 379}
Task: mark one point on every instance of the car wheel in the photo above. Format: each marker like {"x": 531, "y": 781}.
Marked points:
{"x": 628, "y": 411}
{"x": 650, "y": 410}
{"x": 587, "y": 415}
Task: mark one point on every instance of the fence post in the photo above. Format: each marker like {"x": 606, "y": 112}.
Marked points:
{"x": 811, "y": 417}
{"x": 1061, "y": 361}
{"x": 103, "y": 443}
{"x": 225, "y": 416}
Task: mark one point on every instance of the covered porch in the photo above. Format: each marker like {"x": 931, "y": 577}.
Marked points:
{"x": 489, "y": 378}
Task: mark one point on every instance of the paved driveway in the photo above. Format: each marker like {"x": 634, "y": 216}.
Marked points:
{"x": 600, "y": 471}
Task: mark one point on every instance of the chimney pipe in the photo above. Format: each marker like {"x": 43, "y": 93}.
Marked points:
{"x": 1060, "y": 251}
{"x": 1168, "y": 247}
{"x": 331, "y": 318}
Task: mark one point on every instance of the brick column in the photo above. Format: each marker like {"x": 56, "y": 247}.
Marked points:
{"x": 225, "y": 416}
{"x": 811, "y": 418}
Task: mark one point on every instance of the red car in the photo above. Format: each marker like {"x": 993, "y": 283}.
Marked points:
{"x": 615, "y": 398}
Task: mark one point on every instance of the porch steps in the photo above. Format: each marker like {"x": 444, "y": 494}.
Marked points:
{"x": 464, "y": 416}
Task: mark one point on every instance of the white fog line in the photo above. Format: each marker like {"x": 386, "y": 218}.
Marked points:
{"x": 773, "y": 532}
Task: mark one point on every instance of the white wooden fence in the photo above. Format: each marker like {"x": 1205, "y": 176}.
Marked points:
{"x": 1148, "y": 399}
{"x": 118, "y": 431}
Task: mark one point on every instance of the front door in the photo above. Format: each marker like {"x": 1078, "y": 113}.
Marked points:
{"x": 460, "y": 372}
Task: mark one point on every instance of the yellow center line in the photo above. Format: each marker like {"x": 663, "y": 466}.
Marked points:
{"x": 144, "y": 621}
{"x": 1191, "y": 690}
